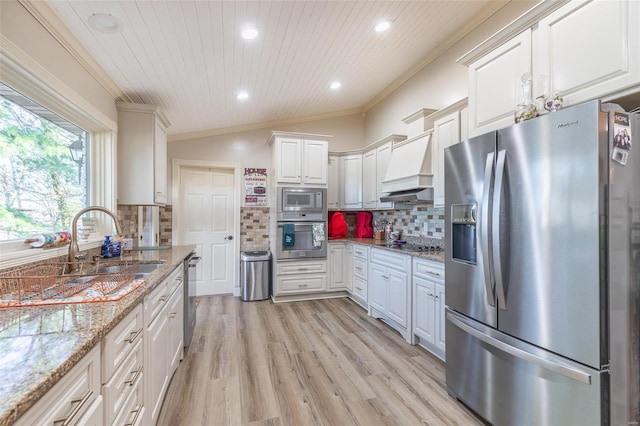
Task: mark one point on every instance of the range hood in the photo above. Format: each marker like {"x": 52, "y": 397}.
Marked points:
{"x": 409, "y": 178}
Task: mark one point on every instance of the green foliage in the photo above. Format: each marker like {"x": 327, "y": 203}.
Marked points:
{"x": 38, "y": 178}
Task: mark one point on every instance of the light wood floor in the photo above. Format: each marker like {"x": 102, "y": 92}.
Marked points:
{"x": 304, "y": 363}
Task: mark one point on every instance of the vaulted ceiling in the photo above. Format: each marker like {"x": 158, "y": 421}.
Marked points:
{"x": 188, "y": 56}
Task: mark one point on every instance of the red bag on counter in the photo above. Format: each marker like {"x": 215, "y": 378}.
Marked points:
{"x": 363, "y": 225}
{"x": 337, "y": 225}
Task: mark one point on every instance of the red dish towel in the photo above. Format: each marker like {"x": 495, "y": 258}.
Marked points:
{"x": 337, "y": 225}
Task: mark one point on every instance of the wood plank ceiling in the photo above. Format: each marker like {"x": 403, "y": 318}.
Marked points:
{"x": 188, "y": 57}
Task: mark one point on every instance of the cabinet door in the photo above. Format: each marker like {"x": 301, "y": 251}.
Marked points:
{"x": 424, "y": 309}
{"x": 160, "y": 161}
{"x": 439, "y": 313}
{"x": 446, "y": 132}
{"x": 398, "y": 293}
{"x": 333, "y": 183}
{"x": 383, "y": 154}
{"x": 315, "y": 162}
{"x": 494, "y": 85}
{"x": 588, "y": 49}
{"x": 156, "y": 364}
{"x": 378, "y": 286}
{"x": 336, "y": 266}
{"x": 348, "y": 267}
{"x": 369, "y": 180}
{"x": 176, "y": 319}
{"x": 288, "y": 156}
{"x": 352, "y": 174}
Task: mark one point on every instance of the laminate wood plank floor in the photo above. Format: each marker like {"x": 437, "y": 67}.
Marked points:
{"x": 321, "y": 362}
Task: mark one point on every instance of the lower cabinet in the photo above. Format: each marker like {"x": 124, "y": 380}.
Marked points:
{"x": 300, "y": 277}
{"x": 163, "y": 342}
{"x": 75, "y": 399}
{"x": 360, "y": 274}
{"x": 337, "y": 266}
{"x": 389, "y": 297}
{"x": 429, "y": 306}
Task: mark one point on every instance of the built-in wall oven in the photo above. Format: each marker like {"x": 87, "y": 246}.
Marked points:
{"x": 301, "y": 223}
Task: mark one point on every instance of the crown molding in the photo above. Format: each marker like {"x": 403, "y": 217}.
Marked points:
{"x": 435, "y": 53}
{"x": 51, "y": 21}
{"x": 263, "y": 125}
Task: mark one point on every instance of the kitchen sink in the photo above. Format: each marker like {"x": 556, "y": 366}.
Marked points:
{"x": 144, "y": 269}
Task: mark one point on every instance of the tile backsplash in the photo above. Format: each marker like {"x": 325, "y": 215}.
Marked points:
{"x": 254, "y": 228}
{"x": 128, "y": 217}
{"x": 421, "y": 221}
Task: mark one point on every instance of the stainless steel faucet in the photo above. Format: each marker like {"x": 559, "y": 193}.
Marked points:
{"x": 72, "y": 260}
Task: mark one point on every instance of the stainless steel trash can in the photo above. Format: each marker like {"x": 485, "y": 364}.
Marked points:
{"x": 255, "y": 275}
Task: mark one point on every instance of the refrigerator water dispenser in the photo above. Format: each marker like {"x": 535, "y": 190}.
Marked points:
{"x": 463, "y": 232}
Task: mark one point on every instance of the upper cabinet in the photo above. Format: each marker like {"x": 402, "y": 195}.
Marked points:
{"x": 351, "y": 174}
{"x": 333, "y": 183}
{"x": 589, "y": 49}
{"x": 300, "y": 158}
{"x": 142, "y": 154}
{"x": 446, "y": 132}
{"x": 494, "y": 84}
{"x": 376, "y": 161}
{"x": 582, "y": 49}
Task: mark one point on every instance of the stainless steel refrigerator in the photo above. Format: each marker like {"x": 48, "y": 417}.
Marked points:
{"x": 543, "y": 269}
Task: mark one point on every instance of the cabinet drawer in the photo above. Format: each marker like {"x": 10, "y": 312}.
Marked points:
{"x": 360, "y": 268}
{"x": 155, "y": 301}
{"x": 391, "y": 260}
{"x": 72, "y": 397}
{"x": 117, "y": 390}
{"x": 360, "y": 287}
{"x": 175, "y": 279}
{"x": 302, "y": 284}
{"x": 302, "y": 267}
{"x": 120, "y": 342}
{"x": 361, "y": 251}
{"x": 133, "y": 410}
{"x": 428, "y": 270}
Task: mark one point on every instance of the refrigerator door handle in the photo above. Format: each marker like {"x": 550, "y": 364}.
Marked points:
{"x": 566, "y": 371}
{"x": 495, "y": 229}
{"x": 484, "y": 230}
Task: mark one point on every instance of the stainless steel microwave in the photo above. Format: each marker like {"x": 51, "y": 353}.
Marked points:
{"x": 301, "y": 204}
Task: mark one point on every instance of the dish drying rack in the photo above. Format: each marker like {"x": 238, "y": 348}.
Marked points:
{"x": 48, "y": 282}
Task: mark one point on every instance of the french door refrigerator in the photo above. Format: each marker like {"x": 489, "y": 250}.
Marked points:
{"x": 543, "y": 269}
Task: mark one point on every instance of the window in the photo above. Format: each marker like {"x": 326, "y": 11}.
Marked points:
{"x": 44, "y": 173}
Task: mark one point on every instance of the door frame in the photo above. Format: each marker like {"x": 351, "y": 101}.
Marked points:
{"x": 177, "y": 165}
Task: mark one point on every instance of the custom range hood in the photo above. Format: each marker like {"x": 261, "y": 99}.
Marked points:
{"x": 409, "y": 178}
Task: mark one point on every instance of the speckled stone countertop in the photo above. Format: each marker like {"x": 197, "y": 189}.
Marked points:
{"x": 40, "y": 344}
{"x": 431, "y": 255}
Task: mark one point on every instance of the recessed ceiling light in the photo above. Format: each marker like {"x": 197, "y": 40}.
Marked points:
{"x": 242, "y": 95}
{"x": 335, "y": 85}
{"x": 383, "y": 25}
{"x": 105, "y": 23}
{"x": 249, "y": 32}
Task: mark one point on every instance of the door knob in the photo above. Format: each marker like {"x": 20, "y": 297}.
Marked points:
{"x": 230, "y": 237}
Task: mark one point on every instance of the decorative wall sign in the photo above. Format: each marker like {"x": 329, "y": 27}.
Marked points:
{"x": 255, "y": 187}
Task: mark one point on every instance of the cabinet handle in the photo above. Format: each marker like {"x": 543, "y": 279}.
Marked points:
{"x": 303, "y": 285}
{"x": 80, "y": 403}
{"x": 172, "y": 314}
{"x": 137, "y": 411}
{"x": 358, "y": 268}
{"x": 164, "y": 298}
{"x": 433, "y": 273}
{"x": 179, "y": 279}
{"x": 134, "y": 378}
{"x": 133, "y": 336}
{"x": 303, "y": 269}
{"x": 386, "y": 277}
{"x": 358, "y": 288}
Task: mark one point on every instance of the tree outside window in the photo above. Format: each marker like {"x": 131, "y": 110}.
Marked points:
{"x": 41, "y": 186}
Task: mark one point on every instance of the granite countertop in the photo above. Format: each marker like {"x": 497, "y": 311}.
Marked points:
{"x": 40, "y": 344}
{"x": 431, "y": 255}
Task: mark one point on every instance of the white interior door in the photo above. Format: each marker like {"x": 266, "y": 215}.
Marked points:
{"x": 208, "y": 221}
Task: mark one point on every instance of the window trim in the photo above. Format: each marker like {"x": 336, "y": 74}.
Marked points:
{"x": 31, "y": 79}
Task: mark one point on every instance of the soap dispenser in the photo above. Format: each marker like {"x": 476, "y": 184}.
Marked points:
{"x": 105, "y": 251}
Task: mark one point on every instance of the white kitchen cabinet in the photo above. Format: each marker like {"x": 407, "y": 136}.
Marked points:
{"x": 300, "y": 277}
{"x": 176, "y": 330}
{"x": 348, "y": 266}
{"x": 351, "y": 172}
{"x": 589, "y": 49}
{"x": 446, "y": 132}
{"x": 160, "y": 340}
{"x": 142, "y": 154}
{"x": 300, "y": 158}
{"x": 495, "y": 84}
{"x": 375, "y": 164}
{"x": 360, "y": 275}
{"x": 389, "y": 286}
{"x": 336, "y": 265}
{"x": 334, "y": 183}
{"x": 429, "y": 305}
{"x": 75, "y": 399}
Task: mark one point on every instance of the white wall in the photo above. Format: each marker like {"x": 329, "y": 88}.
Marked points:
{"x": 441, "y": 83}
{"x": 19, "y": 27}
